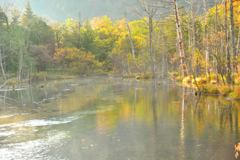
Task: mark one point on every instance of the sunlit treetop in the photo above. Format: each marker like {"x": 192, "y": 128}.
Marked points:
{"x": 28, "y": 14}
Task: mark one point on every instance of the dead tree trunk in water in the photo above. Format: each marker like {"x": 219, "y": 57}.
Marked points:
{"x": 20, "y": 63}
{"x": 133, "y": 52}
{"x": 205, "y": 37}
{"x": 180, "y": 41}
{"x": 150, "y": 8}
{"x": 150, "y": 43}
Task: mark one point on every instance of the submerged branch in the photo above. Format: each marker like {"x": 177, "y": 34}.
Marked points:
{"x": 6, "y": 82}
{"x": 9, "y": 99}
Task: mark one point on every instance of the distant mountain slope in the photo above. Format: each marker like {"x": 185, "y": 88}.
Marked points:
{"x": 60, "y": 10}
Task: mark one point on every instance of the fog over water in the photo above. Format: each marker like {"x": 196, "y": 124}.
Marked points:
{"x": 114, "y": 118}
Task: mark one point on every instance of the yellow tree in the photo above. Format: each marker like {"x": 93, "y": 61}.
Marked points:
{"x": 76, "y": 60}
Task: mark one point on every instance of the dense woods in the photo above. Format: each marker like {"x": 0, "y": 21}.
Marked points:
{"x": 168, "y": 39}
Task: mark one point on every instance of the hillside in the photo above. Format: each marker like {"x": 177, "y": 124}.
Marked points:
{"x": 60, "y": 10}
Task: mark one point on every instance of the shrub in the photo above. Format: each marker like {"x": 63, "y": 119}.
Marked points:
{"x": 213, "y": 89}
{"x": 40, "y": 75}
{"x": 224, "y": 90}
{"x": 235, "y": 75}
{"x": 187, "y": 79}
{"x": 203, "y": 88}
{"x": 212, "y": 76}
{"x": 213, "y": 82}
{"x": 146, "y": 76}
{"x": 174, "y": 77}
{"x": 236, "y": 93}
{"x": 200, "y": 81}
{"x": 233, "y": 95}
{"x": 131, "y": 75}
{"x": 220, "y": 79}
{"x": 237, "y": 80}
{"x": 174, "y": 73}
{"x": 179, "y": 78}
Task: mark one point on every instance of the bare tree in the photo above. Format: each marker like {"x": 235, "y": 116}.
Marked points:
{"x": 227, "y": 46}
{"x": 130, "y": 37}
{"x": 79, "y": 28}
{"x": 233, "y": 35}
{"x": 180, "y": 40}
{"x": 206, "y": 36}
{"x": 150, "y": 8}
{"x": 163, "y": 56}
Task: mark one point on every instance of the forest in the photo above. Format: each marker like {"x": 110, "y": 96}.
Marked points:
{"x": 196, "y": 43}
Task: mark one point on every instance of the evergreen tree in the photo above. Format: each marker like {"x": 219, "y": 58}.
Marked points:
{"x": 87, "y": 36}
{"x": 28, "y": 14}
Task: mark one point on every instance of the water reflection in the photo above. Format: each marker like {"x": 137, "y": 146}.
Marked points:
{"x": 106, "y": 118}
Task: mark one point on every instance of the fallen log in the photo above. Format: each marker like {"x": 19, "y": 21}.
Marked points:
{"x": 6, "y": 82}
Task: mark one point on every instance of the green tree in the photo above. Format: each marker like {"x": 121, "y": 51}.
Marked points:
{"x": 40, "y": 32}
{"x": 28, "y": 15}
{"x": 15, "y": 16}
{"x": 87, "y": 37}
{"x": 70, "y": 34}
{"x": 21, "y": 60}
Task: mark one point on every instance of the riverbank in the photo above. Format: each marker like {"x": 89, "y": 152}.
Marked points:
{"x": 53, "y": 74}
{"x": 211, "y": 87}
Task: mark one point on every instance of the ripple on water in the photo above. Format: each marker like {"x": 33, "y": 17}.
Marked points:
{"x": 7, "y": 116}
{"x": 14, "y": 148}
{"x": 35, "y": 149}
{"x": 6, "y": 133}
{"x": 41, "y": 122}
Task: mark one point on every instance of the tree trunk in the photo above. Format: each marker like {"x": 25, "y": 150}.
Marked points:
{"x": 233, "y": 36}
{"x": 194, "y": 40}
{"x": 216, "y": 33}
{"x": 1, "y": 64}
{"x": 150, "y": 44}
{"x": 216, "y": 16}
{"x": 163, "y": 58}
{"x": 238, "y": 46}
{"x": 20, "y": 63}
{"x": 79, "y": 28}
{"x": 180, "y": 41}
{"x": 227, "y": 48}
{"x": 133, "y": 52}
{"x": 205, "y": 37}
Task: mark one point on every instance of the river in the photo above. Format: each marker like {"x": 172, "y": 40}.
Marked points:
{"x": 105, "y": 118}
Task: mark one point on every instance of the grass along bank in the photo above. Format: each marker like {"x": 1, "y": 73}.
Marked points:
{"x": 53, "y": 74}
{"x": 212, "y": 84}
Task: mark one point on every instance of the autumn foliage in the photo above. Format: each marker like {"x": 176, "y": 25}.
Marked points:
{"x": 76, "y": 60}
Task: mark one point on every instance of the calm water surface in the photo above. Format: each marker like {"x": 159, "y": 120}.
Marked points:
{"x": 104, "y": 118}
